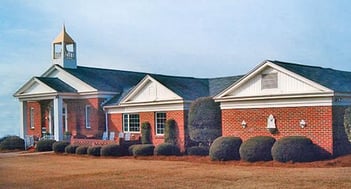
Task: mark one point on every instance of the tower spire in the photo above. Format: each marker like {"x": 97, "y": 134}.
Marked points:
{"x": 64, "y": 50}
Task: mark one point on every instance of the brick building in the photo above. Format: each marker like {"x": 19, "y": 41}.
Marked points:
{"x": 277, "y": 99}
{"x": 282, "y": 99}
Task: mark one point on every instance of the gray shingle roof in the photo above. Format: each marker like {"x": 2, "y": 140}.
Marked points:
{"x": 217, "y": 85}
{"x": 57, "y": 84}
{"x": 338, "y": 81}
{"x": 106, "y": 79}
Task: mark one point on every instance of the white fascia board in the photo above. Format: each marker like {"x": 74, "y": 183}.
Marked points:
{"x": 260, "y": 68}
{"x": 148, "y": 107}
{"x": 140, "y": 86}
{"x": 29, "y": 84}
{"x": 277, "y": 103}
{"x": 70, "y": 76}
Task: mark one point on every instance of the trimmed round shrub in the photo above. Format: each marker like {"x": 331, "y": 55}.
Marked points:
{"x": 167, "y": 149}
{"x": 4, "y": 138}
{"x": 71, "y": 149}
{"x": 111, "y": 150}
{"x": 143, "y": 150}
{"x": 146, "y": 133}
{"x": 45, "y": 145}
{"x": 225, "y": 148}
{"x": 294, "y": 148}
{"x": 257, "y": 149}
{"x": 170, "y": 135}
{"x": 12, "y": 143}
{"x": 82, "y": 150}
{"x": 59, "y": 146}
{"x": 198, "y": 151}
{"x": 94, "y": 150}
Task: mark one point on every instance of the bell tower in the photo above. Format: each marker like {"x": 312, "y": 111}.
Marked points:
{"x": 64, "y": 50}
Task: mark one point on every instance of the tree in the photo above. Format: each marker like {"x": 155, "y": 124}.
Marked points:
{"x": 204, "y": 120}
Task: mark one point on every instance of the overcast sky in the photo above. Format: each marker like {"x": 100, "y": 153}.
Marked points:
{"x": 196, "y": 38}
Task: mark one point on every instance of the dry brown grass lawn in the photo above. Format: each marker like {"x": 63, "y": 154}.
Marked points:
{"x": 72, "y": 171}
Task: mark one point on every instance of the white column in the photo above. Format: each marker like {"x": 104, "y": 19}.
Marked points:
{"x": 58, "y": 126}
{"x": 23, "y": 119}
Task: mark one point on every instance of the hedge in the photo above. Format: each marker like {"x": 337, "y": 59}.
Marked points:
{"x": 11, "y": 143}
{"x": 82, "y": 150}
{"x": 71, "y": 149}
{"x": 167, "y": 149}
{"x": 225, "y": 148}
{"x": 295, "y": 149}
{"x": 170, "y": 135}
{"x": 59, "y": 146}
{"x": 257, "y": 149}
{"x": 143, "y": 150}
{"x": 146, "y": 133}
{"x": 45, "y": 145}
{"x": 111, "y": 150}
{"x": 204, "y": 120}
{"x": 94, "y": 150}
{"x": 198, "y": 151}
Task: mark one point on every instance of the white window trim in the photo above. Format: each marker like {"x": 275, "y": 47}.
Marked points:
{"x": 156, "y": 123}
{"x": 123, "y": 120}
{"x": 87, "y": 117}
{"x": 31, "y": 118}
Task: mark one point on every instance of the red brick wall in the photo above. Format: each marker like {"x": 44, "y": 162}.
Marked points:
{"x": 318, "y": 123}
{"x": 116, "y": 123}
{"x": 36, "y": 131}
{"x": 76, "y": 117}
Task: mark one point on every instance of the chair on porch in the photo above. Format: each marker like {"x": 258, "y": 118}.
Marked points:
{"x": 104, "y": 136}
{"x": 112, "y": 135}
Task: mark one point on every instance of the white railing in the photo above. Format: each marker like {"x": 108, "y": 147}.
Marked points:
{"x": 28, "y": 141}
{"x": 47, "y": 137}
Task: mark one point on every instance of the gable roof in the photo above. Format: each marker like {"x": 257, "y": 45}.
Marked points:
{"x": 338, "y": 81}
{"x": 57, "y": 84}
{"x": 106, "y": 79}
{"x": 217, "y": 85}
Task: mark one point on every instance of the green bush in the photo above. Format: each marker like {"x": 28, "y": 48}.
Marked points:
{"x": 11, "y": 143}
{"x": 257, "y": 149}
{"x": 82, "y": 150}
{"x": 347, "y": 122}
{"x": 198, "y": 151}
{"x": 143, "y": 150}
{"x": 94, "y": 150}
{"x": 45, "y": 145}
{"x": 204, "y": 120}
{"x": 146, "y": 133}
{"x": 71, "y": 149}
{"x": 294, "y": 148}
{"x": 130, "y": 149}
{"x": 167, "y": 149}
{"x": 111, "y": 150}
{"x": 4, "y": 138}
{"x": 225, "y": 148}
{"x": 170, "y": 135}
{"x": 59, "y": 146}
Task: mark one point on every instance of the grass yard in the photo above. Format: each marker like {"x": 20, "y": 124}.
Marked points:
{"x": 73, "y": 171}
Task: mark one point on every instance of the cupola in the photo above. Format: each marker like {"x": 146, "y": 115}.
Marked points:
{"x": 64, "y": 51}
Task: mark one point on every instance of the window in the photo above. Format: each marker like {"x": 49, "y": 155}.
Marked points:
{"x": 160, "y": 122}
{"x": 64, "y": 117}
{"x": 31, "y": 118}
{"x": 87, "y": 116}
{"x": 131, "y": 123}
{"x": 269, "y": 81}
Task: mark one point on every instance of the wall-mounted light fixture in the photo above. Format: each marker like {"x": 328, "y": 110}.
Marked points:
{"x": 302, "y": 123}
{"x": 243, "y": 124}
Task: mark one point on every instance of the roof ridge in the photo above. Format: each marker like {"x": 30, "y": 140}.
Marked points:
{"x": 304, "y": 65}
